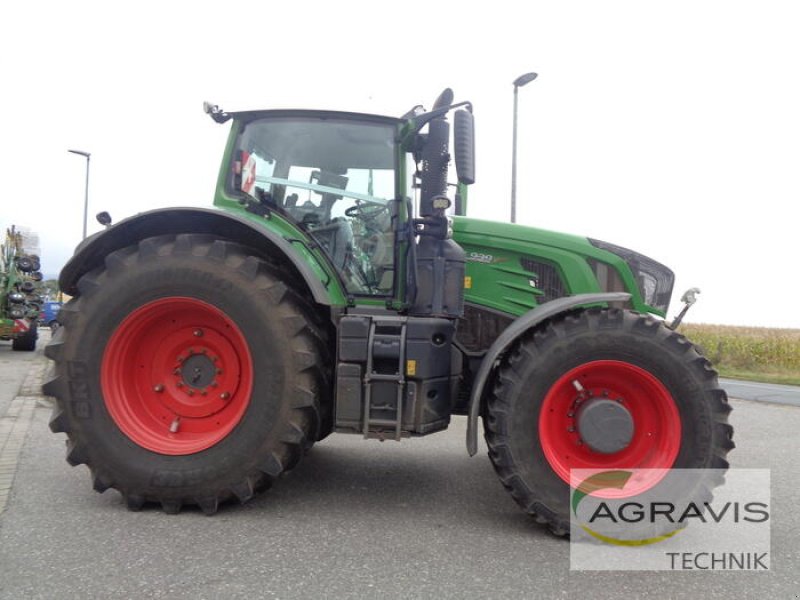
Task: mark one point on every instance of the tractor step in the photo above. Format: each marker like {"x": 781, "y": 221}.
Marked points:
{"x": 383, "y": 377}
{"x": 386, "y": 350}
{"x": 382, "y": 423}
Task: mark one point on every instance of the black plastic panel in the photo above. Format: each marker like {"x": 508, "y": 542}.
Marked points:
{"x": 426, "y": 370}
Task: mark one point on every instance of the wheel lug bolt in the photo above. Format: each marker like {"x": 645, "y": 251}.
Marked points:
{"x": 158, "y": 388}
{"x": 571, "y": 429}
{"x": 179, "y": 384}
{"x": 173, "y": 428}
{"x": 176, "y": 372}
{"x": 225, "y": 395}
{"x": 198, "y": 333}
{"x": 190, "y": 392}
{"x": 204, "y": 393}
{"x": 219, "y": 371}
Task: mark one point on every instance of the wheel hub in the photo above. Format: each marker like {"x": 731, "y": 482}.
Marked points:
{"x": 609, "y": 414}
{"x": 604, "y": 425}
{"x": 177, "y": 375}
{"x": 198, "y": 371}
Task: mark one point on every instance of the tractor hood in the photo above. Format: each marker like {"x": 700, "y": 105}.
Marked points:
{"x": 514, "y": 268}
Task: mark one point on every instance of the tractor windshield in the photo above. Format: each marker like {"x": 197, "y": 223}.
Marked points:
{"x": 336, "y": 179}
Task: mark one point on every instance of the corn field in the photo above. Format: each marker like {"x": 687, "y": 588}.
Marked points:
{"x": 749, "y": 349}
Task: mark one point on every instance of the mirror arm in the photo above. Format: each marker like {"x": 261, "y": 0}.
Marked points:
{"x": 423, "y": 120}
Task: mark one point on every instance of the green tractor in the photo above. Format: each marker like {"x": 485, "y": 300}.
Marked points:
{"x": 204, "y": 351}
{"x": 20, "y": 301}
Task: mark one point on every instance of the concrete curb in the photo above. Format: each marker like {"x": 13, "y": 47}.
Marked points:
{"x": 15, "y": 423}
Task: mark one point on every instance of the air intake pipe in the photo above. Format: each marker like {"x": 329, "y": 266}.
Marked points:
{"x": 435, "y": 157}
{"x": 440, "y": 261}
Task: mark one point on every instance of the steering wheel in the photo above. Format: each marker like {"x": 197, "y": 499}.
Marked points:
{"x": 366, "y": 211}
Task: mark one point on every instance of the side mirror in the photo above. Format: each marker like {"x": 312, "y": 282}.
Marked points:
{"x": 464, "y": 142}
{"x": 215, "y": 112}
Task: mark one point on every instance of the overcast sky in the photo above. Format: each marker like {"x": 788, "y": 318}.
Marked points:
{"x": 672, "y": 128}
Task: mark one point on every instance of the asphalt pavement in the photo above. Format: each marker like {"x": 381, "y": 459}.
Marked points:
{"x": 356, "y": 519}
{"x": 762, "y": 392}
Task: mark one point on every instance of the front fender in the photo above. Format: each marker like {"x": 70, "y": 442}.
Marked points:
{"x": 92, "y": 251}
{"x": 524, "y": 323}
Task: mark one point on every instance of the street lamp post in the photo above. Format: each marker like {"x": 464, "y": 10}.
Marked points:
{"x": 86, "y": 189}
{"x": 518, "y": 83}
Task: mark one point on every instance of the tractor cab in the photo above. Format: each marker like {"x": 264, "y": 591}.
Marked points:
{"x": 335, "y": 177}
{"x": 346, "y": 180}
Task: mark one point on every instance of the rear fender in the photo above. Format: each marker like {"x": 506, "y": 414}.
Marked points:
{"x": 505, "y": 340}
{"x": 92, "y": 251}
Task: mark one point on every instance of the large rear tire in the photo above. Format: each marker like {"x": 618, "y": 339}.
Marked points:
{"x": 186, "y": 372}
{"x": 670, "y": 412}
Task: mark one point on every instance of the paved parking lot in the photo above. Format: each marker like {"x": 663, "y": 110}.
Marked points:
{"x": 357, "y": 519}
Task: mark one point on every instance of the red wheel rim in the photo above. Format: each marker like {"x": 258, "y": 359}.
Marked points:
{"x": 657, "y": 425}
{"x": 177, "y": 376}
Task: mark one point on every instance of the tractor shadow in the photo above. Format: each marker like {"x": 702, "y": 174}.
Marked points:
{"x": 363, "y": 480}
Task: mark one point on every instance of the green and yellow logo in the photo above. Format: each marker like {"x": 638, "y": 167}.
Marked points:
{"x": 608, "y": 480}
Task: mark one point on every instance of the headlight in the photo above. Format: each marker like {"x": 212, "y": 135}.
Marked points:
{"x": 653, "y": 279}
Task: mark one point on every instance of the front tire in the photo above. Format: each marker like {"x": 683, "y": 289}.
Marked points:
{"x": 662, "y": 395}
{"x": 186, "y": 372}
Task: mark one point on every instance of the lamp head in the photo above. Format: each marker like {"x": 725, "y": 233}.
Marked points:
{"x": 525, "y": 79}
